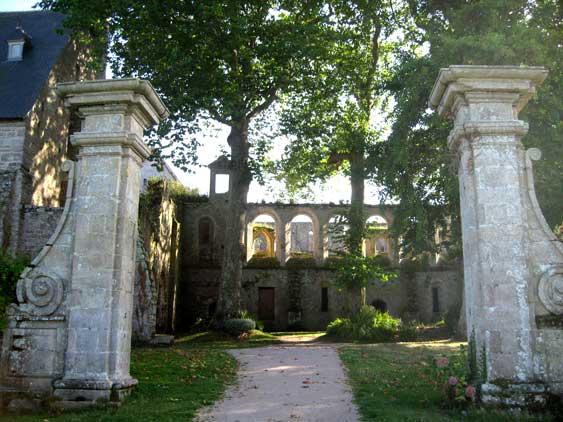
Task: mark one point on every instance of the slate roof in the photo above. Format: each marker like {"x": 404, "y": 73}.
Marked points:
{"x": 21, "y": 81}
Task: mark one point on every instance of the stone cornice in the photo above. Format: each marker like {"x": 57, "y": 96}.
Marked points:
{"x": 458, "y": 80}
{"x": 115, "y": 91}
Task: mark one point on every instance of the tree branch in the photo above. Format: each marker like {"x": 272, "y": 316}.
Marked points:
{"x": 270, "y": 98}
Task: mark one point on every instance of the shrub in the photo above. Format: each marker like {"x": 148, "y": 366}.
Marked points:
{"x": 10, "y": 270}
{"x": 238, "y": 326}
{"x": 305, "y": 262}
{"x": 371, "y": 325}
{"x": 382, "y": 260}
{"x": 263, "y": 262}
{"x": 247, "y": 315}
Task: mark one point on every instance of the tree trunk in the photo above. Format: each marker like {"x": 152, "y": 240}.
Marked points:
{"x": 357, "y": 217}
{"x": 228, "y": 305}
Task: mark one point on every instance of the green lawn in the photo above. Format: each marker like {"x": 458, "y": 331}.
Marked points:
{"x": 173, "y": 382}
{"x": 393, "y": 382}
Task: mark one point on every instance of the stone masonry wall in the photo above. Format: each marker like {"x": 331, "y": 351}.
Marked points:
{"x": 48, "y": 126}
{"x": 39, "y": 225}
{"x": 156, "y": 272}
{"x": 199, "y": 287}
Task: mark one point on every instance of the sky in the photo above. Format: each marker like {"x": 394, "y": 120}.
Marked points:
{"x": 214, "y": 140}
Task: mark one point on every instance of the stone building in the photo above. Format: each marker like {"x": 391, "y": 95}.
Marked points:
{"x": 292, "y": 287}
{"x": 179, "y": 248}
{"x": 34, "y": 125}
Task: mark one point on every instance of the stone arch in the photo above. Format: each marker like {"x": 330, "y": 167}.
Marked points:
{"x": 376, "y": 241}
{"x": 273, "y": 240}
{"x": 335, "y": 231}
{"x": 313, "y": 235}
{"x": 380, "y": 305}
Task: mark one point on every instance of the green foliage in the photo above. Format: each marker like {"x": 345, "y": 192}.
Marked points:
{"x": 371, "y": 325}
{"x": 260, "y": 226}
{"x": 354, "y": 271}
{"x": 301, "y": 260}
{"x": 10, "y": 270}
{"x": 239, "y": 326}
{"x": 383, "y": 261}
{"x": 179, "y": 192}
{"x": 263, "y": 262}
{"x": 247, "y": 315}
{"x": 419, "y": 170}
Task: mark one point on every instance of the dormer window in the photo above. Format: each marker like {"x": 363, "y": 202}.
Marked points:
{"x": 15, "y": 50}
{"x": 16, "y": 44}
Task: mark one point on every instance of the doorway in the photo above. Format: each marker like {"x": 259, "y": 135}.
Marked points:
{"x": 266, "y": 304}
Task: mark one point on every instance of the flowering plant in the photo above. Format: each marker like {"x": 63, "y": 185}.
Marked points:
{"x": 451, "y": 373}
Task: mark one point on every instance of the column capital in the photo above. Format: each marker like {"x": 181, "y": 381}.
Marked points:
{"x": 485, "y": 84}
{"x": 484, "y": 101}
{"x": 114, "y": 112}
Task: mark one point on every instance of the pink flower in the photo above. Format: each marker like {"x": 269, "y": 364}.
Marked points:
{"x": 453, "y": 381}
{"x": 470, "y": 391}
{"x": 442, "y": 362}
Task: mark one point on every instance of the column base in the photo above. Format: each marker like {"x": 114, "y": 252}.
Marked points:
{"x": 80, "y": 393}
{"x": 517, "y": 395}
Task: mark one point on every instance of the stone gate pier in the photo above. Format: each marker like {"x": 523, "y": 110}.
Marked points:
{"x": 513, "y": 263}
{"x": 70, "y": 335}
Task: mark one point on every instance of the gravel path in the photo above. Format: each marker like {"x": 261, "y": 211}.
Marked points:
{"x": 286, "y": 383}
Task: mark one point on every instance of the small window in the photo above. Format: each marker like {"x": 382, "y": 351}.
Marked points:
{"x": 15, "y": 50}
{"x": 435, "y": 300}
{"x": 222, "y": 183}
{"x": 324, "y": 299}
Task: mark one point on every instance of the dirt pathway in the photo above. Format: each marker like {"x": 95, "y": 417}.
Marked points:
{"x": 297, "y": 383}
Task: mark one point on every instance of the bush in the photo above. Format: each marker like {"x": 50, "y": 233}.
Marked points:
{"x": 238, "y": 326}
{"x": 382, "y": 260}
{"x": 371, "y": 325}
{"x": 306, "y": 262}
{"x": 263, "y": 262}
{"x": 10, "y": 270}
{"x": 258, "y": 324}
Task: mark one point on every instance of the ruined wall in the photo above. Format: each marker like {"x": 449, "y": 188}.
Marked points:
{"x": 156, "y": 264}
{"x": 300, "y": 291}
{"x": 39, "y": 224}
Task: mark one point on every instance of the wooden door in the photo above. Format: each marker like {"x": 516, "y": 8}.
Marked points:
{"x": 266, "y": 304}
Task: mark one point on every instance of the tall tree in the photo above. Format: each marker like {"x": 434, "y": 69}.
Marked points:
{"x": 226, "y": 60}
{"x": 493, "y": 32}
{"x": 331, "y": 119}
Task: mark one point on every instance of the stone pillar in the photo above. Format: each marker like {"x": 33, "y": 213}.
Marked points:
{"x": 500, "y": 279}
{"x": 71, "y": 334}
{"x": 110, "y": 155}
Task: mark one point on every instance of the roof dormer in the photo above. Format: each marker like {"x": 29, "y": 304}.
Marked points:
{"x": 17, "y": 41}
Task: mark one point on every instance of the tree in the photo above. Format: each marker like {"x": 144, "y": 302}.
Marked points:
{"x": 419, "y": 169}
{"x": 222, "y": 60}
{"x": 331, "y": 119}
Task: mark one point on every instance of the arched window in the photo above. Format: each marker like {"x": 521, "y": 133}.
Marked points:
{"x": 301, "y": 234}
{"x": 263, "y": 236}
{"x": 206, "y": 233}
{"x": 376, "y": 241}
{"x": 379, "y": 305}
{"x": 337, "y": 231}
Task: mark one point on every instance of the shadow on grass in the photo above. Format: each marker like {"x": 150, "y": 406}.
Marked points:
{"x": 393, "y": 382}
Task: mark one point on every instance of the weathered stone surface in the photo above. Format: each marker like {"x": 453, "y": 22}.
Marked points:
{"x": 200, "y": 288}
{"x": 512, "y": 259}
{"x": 72, "y": 329}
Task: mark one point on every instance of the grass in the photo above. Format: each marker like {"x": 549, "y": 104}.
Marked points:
{"x": 392, "y": 382}
{"x": 216, "y": 340}
{"x": 173, "y": 382}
